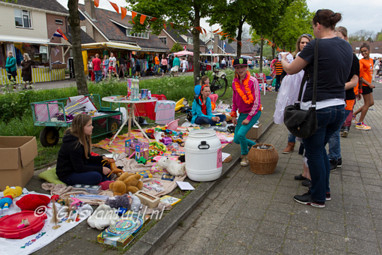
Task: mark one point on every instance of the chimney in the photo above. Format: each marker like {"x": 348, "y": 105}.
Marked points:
{"x": 90, "y": 9}
{"x": 216, "y": 43}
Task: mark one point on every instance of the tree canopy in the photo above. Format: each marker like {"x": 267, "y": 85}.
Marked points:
{"x": 183, "y": 15}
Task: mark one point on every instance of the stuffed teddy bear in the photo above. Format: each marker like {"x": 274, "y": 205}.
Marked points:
{"x": 127, "y": 182}
{"x": 172, "y": 166}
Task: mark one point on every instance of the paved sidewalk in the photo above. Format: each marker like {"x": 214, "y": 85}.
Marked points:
{"x": 253, "y": 214}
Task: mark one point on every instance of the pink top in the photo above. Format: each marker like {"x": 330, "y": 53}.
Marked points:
{"x": 164, "y": 62}
{"x": 239, "y": 104}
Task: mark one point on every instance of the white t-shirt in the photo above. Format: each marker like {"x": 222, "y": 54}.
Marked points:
{"x": 184, "y": 64}
{"x": 112, "y": 61}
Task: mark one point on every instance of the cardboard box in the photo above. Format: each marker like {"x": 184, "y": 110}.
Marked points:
{"x": 17, "y": 155}
{"x": 255, "y": 132}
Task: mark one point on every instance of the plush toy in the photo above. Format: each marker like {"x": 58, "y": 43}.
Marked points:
{"x": 172, "y": 166}
{"x": 102, "y": 217}
{"x": 127, "y": 182}
{"x": 135, "y": 202}
{"x": 9, "y": 195}
{"x": 113, "y": 167}
{"x": 122, "y": 203}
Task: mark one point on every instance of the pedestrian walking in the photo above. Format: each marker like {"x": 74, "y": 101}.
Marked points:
{"x": 26, "y": 71}
{"x": 11, "y": 68}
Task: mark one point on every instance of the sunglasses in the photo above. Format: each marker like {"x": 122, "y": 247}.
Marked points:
{"x": 308, "y": 35}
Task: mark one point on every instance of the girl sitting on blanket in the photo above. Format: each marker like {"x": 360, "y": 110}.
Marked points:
{"x": 75, "y": 165}
{"x": 201, "y": 109}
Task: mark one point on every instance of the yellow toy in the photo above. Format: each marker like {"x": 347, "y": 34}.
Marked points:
{"x": 9, "y": 195}
{"x": 179, "y": 104}
{"x": 127, "y": 182}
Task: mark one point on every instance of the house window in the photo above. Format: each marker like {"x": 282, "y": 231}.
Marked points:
{"x": 59, "y": 21}
{"x": 189, "y": 40}
{"x": 164, "y": 40}
{"x": 22, "y": 18}
{"x": 144, "y": 35}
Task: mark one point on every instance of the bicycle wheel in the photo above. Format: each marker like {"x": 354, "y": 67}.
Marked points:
{"x": 219, "y": 86}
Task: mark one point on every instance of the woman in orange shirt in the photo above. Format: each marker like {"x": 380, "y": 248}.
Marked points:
{"x": 365, "y": 77}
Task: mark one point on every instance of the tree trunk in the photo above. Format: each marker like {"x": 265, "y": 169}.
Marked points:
{"x": 196, "y": 42}
{"x": 261, "y": 54}
{"x": 74, "y": 22}
{"x": 240, "y": 31}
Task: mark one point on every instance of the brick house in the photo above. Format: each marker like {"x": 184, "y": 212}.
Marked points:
{"x": 171, "y": 36}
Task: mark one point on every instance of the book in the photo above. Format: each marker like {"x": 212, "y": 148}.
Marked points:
{"x": 170, "y": 200}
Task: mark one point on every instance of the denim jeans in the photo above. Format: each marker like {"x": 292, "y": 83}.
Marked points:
{"x": 98, "y": 75}
{"x": 204, "y": 120}
{"x": 87, "y": 178}
{"x": 334, "y": 142}
{"x": 329, "y": 121}
{"x": 291, "y": 138}
{"x": 242, "y": 130}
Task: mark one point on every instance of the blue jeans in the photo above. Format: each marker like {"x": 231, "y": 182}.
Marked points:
{"x": 291, "y": 138}
{"x": 329, "y": 120}
{"x": 204, "y": 120}
{"x": 334, "y": 142}
{"x": 87, "y": 178}
{"x": 242, "y": 130}
{"x": 98, "y": 75}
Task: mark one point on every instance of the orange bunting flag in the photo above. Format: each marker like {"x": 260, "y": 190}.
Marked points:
{"x": 216, "y": 31}
{"x": 270, "y": 43}
{"x": 96, "y": 3}
{"x": 240, "y": 43}
{"x": 278, "y": 49}
{"x": 133, "y": 14}
{"x": 153, "y": 19}
{"x": 205, "y": 31}
{"x": 142, "y": 19}
{"x": 116, "y": 7}
{"x": 164, "y": 25}
{"x": 199, "y": 29}
{"x": 172, "y": 24}
{"x": 123, "y": 12}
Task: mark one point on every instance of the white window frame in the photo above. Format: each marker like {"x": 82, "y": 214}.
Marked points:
{"x": 143, "y": 35}
{"x": 24, "y": 14}
{"x": 59, "y": 21}
{"x": 190, "y": 40}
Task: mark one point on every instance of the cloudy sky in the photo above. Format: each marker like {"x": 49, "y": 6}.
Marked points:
{"x": 356, "y": 14}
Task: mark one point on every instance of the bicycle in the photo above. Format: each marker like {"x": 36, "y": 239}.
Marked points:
{"x": 219, "y": 83}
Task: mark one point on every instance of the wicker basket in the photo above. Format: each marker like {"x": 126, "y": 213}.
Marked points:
{"x": 263, "y": 161}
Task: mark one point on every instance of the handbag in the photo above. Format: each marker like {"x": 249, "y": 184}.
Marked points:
{"x": 303, "y": 123}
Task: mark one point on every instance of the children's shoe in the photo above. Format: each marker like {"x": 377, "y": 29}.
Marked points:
{"x": 353, "y": 118}
{"x": 362, "y": 126}
{"x": 244, "y": 161}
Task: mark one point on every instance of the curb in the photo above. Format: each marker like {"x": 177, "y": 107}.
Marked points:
{"x": 163, "y": 229}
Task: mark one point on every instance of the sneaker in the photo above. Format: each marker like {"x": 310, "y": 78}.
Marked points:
{"x": 333, "y": 164}
{"x": 362, "y": 126}
{"x": 354, "y": 120}
{"x": 345, "y": 132}
{"x": 339, "y": 163}
{"x": 306, "y": 199}
{"x": 328, "y": 197}
{"x": 244, "y": 161}
{"x": 306, "y": 183}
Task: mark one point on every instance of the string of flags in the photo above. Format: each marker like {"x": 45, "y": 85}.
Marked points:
{"x": 143, "y": 18}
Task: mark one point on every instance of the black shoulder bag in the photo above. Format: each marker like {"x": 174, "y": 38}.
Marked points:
{"x": 303, "y": 123}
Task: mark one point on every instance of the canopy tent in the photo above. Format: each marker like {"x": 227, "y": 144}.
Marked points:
{"x": 183, "y": 53}
{"x": 98, "y": 45}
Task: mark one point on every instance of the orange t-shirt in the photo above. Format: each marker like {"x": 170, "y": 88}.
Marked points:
{"x": 366, "y": 69}
{"x": 156, "y": 60}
